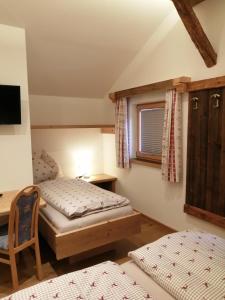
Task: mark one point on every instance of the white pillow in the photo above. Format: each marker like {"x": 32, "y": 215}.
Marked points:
{"x": 41, "y": 170}
{"x": 51, "y": 162}
{"x": 36, "y": 154}
{"x": 44, "y": 167}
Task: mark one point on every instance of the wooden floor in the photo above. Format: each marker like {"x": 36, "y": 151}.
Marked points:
{"x": 151, "y": 231}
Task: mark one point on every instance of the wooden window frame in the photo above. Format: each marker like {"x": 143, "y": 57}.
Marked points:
{"x": 156, "y": 159}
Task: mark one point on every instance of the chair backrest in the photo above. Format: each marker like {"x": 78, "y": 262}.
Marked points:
{"x": 23, "y": 217}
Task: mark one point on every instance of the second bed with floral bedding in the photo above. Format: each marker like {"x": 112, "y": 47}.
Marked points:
{"x": 106, "y": 281}
{"x": 184, "y": 266}
{"x": 188, "y": 265}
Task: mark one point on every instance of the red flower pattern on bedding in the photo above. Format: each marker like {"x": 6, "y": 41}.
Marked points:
{"x": 195, "y": 273}
{"x": 101, "y": 282}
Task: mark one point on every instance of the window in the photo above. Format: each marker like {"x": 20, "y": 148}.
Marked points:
{"x": 150, "y": 118}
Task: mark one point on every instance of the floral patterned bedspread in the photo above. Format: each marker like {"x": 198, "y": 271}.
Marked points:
{"x": 76, "y": 197}
{"x": 188, "y": 265}
{"x": 106, "y": 281}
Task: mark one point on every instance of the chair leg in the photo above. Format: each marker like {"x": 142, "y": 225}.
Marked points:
{"x": 38, "y": 260}
{"x": 13, "y": 266}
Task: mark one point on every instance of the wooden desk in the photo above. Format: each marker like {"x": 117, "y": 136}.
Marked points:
{"x": 6, "y": 200}
{"x": 104, "y": 181}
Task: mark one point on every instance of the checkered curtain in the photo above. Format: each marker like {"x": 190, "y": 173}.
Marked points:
{"x": 121, "y": 131}
{"x": 172, "y": 134}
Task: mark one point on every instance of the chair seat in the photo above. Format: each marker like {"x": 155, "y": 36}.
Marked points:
{"x": 4, "y": 237}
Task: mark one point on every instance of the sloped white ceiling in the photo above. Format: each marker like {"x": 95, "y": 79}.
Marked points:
{"x": 80, "y": 47}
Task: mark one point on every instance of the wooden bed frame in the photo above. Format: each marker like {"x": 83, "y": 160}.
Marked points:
{"x": 90, "y": 237}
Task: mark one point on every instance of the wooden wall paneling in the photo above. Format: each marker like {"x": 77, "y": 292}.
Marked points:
{"x": 221, "y": 202}
{"x": 190, "y": 152}
{"x": 205, "y": 189}
{"x": 216, "y": 157}
{"x": 215, "y": 200}
{"x": 197, "y": 149}
{"x": 222, "y": 165}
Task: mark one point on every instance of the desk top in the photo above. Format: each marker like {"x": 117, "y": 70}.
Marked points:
{"x": 98, "y": 178}
{"x": 6, "y": 199}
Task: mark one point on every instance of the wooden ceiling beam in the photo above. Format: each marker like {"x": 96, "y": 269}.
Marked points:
{"x": 196, "y": 31}
{"x": 195, "y": 2}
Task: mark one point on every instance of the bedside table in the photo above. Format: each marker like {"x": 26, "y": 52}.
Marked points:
{"x": 104, "y": 181}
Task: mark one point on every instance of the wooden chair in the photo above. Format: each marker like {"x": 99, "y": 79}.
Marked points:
{"x": 21, "y": 231}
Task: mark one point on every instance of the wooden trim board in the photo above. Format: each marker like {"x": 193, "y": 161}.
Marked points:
{"x": 155, "y": 221}
{"x": 145, "y": 163}
{"x": 71, "y": 126}
{"x": 183, "y": 84}
{"x": 90, "y": 237}
{"x": 205, "y": 215}
{"x": 108, "y": 130}
{"x": 205, "y": 84}
{"x": 178, "y": 83}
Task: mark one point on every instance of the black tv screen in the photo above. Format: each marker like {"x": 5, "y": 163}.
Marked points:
{"x": 10, "y": 104}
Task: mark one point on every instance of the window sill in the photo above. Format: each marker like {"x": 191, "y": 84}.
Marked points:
{"x": 145, "y": 163}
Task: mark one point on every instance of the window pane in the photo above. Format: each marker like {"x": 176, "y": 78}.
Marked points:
{"x": 151, "y": 130}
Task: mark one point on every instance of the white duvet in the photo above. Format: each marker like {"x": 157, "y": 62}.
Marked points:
{"x": 76, "y": 197}
{"x": 188, "y": 265}
{"x": 106, "y": 281}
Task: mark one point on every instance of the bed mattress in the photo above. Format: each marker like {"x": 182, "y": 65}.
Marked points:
{"x": 145, "y": 281}
{"x": 63, "y": 224}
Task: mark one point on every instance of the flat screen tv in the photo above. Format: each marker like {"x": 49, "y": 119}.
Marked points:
{"x": 10, "y": 104}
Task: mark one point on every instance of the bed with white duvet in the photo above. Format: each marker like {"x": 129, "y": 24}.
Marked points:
{"x": 185, "y": 266}
{"x": 80, "y": 216}
{"x": 105, "y": 281}
{"x": 75, "y": 203}
{"x": 77, "y": 198}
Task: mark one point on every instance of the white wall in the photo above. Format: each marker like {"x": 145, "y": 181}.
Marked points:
{"x": 66, "y": 110}
{"x": 15, "y": 144}
{"x": 168, "y": 54}
{"x": 77, "y": 151}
